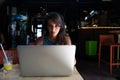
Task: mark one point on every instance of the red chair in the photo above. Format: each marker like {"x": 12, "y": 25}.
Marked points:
{"x": 107, "y": 40}
{"x": 15, "y": 58}
{"x": 1, "y": 57}
{"x": 32, "y": 43}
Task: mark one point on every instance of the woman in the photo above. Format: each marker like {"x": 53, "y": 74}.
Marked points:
{"x": 54, "y": 32}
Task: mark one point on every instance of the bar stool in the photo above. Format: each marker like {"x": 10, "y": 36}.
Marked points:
{"x": 118, "y": 52}
{"x": 108, "y": 40}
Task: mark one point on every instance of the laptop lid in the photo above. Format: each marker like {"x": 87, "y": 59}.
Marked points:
{"x": 46, "y": 60}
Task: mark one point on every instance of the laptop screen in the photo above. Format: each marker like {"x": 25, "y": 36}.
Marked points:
{"x": 50, "y": 60}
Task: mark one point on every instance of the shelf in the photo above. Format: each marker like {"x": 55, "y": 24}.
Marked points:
{"x": 100, "y": 27}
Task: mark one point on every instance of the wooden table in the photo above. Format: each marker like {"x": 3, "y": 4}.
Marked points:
{"x": 15, "y": 75}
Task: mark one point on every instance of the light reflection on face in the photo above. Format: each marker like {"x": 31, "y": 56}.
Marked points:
{"x": 53, "y": 28}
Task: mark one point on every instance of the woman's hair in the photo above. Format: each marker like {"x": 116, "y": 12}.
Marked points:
{"x": 58, "y": 20}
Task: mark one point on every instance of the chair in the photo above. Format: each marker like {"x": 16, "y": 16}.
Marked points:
{"x": 15, "y": 58}
{"x": 32, "y": 43}
{"x": 1, "y": 58}
{"x": 107, "y": 40}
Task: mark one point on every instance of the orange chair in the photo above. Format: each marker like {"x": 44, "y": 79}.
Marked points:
{"x": 108, "y": 41}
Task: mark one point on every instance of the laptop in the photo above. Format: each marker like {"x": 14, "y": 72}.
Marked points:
{"x": 46, "y": 60}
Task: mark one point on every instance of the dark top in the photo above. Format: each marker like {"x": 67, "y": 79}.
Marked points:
{"x": 47, "y": 41}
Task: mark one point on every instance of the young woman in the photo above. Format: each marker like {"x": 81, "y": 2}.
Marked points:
{"x": 54, "y": 32}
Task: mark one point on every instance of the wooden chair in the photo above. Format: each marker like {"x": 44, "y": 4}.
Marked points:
{"x": 108, "y": 41}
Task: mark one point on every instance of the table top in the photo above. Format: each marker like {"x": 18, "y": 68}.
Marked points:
{"x": 15, "y": 75}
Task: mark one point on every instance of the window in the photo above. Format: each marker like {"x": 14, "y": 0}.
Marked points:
{"x": 39, "y": 30}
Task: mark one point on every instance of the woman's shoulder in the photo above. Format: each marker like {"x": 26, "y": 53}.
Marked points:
{"x": 67, "y": 36}
{"x": 39, "y": 41}
{"x": 68, "y": 40}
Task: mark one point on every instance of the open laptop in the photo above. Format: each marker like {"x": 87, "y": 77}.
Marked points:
{"x": 46, "y": 60}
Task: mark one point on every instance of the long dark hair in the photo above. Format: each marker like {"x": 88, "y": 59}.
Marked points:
{"x": 58, "y": 19}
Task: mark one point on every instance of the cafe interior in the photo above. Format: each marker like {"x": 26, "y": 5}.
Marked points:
{"x": 93, "y": 25}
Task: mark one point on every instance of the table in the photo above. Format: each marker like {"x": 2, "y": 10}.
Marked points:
{"x": 15, "y": 75}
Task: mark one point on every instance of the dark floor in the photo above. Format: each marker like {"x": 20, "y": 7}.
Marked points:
{"x": 88, "y": 68}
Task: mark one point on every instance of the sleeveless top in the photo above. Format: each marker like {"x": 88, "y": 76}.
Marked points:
{"x": 47, "y": 41}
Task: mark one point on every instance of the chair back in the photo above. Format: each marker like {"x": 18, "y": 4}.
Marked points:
{"x": 15, "y": 58}
{"x": 1, "y": 57}
{"x": 107, "y": 39}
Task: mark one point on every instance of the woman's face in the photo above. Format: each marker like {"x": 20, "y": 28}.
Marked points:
{"x": 53, "y": 28}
